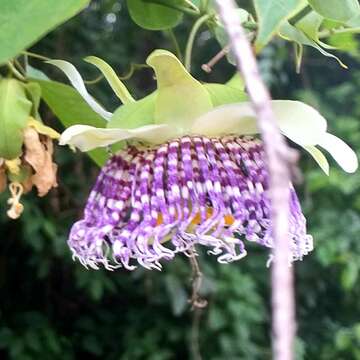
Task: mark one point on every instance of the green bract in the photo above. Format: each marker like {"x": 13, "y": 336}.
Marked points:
{"x": 183, "y": 106}
{"x": 14, "y": 112}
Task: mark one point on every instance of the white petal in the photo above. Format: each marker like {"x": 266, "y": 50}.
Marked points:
{"x": 319, "y": 158}
{"x": 87, "y": 137}
{"x": 340, "y": 151}
{"x": 227, "y": 119}
{"x": 299, "y": 122}
{"x": 78, "y": 83}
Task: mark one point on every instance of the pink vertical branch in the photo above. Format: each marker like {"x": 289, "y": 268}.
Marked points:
{"x": 279, "y": 157}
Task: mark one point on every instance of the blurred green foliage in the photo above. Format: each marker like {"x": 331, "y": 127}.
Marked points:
{"x": 52, "y": 308}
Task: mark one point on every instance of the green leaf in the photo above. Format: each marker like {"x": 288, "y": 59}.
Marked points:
{"x": 270, "y": 14}
{"x": 23, "y": 22}
{"x": 343, "y": 10}
{"x": 14, "y": 112}
{"x": 223, "y": 94}
{"x": 291, "y": 33}
{"x": 236, "y": 81}
{"x": 154, "y": 16}
{"x": 180, "y": 98}
{"x": 116, "y": 84}
{"x": 135, "y": 114}
{"x": 71, "y": 109}
{"x": 349, "y": 275}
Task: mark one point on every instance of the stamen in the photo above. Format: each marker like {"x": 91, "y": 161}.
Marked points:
{"x": 150, "y": 203}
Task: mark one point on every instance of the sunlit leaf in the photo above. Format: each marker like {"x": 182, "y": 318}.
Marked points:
{"x": 116, "y": 84}
{"x": 22, "y": 22}
{"x": 14, "y": 112}
{"x": 154, "y": 16}
{"x": 270, "y": 14}
{"x": 343, "y": 10}
{"x": 180, "y": 98}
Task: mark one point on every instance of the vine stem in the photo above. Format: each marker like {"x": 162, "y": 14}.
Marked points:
{"x": 279, "y": 160}
{"x": 190, "y": 43}
{"x": 326, "y": 33}
{"x": 15, "y": 72}
{"x": 176, "y": 44}
{"x": 36, "y": 56}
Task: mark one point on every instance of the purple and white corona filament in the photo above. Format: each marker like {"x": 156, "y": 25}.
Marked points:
{"x": 150, "y": 203}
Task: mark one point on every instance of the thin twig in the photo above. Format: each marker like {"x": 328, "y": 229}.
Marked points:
{"x": 14, "y": 71}
{"x": 175, "y": 44}
{"x": 214, "y": 60}
{"x": 36, "y": 56}
{"x": 195, "y": 332}
{"x": 279, "y": 159}
{"x": 190, "y": 43}
{"x": 94, "y": 81}
{"x": 197, "y": 305}
{"x": 197, "y": 302}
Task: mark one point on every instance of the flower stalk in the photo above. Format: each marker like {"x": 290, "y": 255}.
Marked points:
{"x": 279, "y": 159}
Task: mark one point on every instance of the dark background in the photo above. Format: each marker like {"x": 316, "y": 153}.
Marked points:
{"x": 53, "y": 308}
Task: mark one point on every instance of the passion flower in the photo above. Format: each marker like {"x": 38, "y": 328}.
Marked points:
{"x": 191, "y": 173}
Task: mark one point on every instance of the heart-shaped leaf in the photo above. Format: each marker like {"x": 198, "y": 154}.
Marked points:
{"x": 342, "y": 11}
{"x": 154, "y": 16}
{"x": 270, "y": 14}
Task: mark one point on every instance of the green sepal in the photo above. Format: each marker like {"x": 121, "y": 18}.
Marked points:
{"x": 116, "y": 84}
{"x": 180, "y": 98}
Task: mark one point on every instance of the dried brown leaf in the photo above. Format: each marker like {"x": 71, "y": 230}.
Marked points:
{"x": 39, "y": 156}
